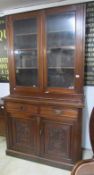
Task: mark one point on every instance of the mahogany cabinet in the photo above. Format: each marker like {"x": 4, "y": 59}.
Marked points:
{"x": 46, "y": 70}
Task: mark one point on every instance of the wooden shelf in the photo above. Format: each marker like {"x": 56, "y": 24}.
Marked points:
{"x": 25, "y": 49}
{"x": 26, "y": 68}
{"x": 48, "y": 68}
{"x": 61, "y": 68}
{"x": 25, "y": 34}
{"x": 62, "y": 47}
{"x": 61, "y": 31}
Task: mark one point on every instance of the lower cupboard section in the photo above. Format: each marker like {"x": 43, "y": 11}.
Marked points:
{"x": 44, "y": 140}
{"x": 23, "y": 135}
{"x": 55, "y": 140}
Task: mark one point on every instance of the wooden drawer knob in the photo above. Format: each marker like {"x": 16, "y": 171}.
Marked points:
{"x": 46, "y": 92}
{"x": 58, "y": 111}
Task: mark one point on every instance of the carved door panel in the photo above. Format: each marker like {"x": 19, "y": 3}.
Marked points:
{"x": 24, "y": 134}
{"x": 56, "y": 140}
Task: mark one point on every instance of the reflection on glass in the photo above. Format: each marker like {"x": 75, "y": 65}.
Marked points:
{"x": 61, "y": 50}
{"x": 26, "y": 59}
{"x": 61, "y": 78}
{"x": 23, "y": 77}
{"x": 60, "y": 39}
{"x": 25, "y": 52}
{"x": 60, "y": 58}
{"x": 25, "y": 42}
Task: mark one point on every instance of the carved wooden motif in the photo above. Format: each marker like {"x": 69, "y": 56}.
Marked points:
{"x": 24, "y": 138}
{"x": 58, "y": 139}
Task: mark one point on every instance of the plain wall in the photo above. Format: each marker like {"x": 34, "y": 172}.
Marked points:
{"x": 88, "y": 105}
{"x": 4, "y": 89}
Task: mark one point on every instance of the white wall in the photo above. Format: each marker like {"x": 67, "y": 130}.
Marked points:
{"x": 4, "y": 89}
{"x": 89, "y": 103}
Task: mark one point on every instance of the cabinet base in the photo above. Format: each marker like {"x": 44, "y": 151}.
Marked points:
{"x": 42, "y": 160}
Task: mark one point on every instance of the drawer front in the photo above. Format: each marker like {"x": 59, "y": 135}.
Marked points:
{"x": 21, "y": 108}
{"x": 59, "y": 111}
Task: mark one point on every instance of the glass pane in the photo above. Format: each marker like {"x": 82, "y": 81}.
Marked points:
{"x": 60, "y": 78}
{"x": 61, "y": 50}
{"x": 25, "y": 52}
{"x": 25, "y": 42}
{"x": 25, "y": 26}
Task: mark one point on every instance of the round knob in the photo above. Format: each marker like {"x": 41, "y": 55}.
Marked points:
{"x": 46, "y": 92}
{"x": 77, "y": 76}
{"x": 2, "y": 107}
{"x": 58, "y": 111}
{"x": 34, "y": 85}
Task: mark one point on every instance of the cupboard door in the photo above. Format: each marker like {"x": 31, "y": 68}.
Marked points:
{"x": 62, "y": 45}
{"x": 23, "y": 134}
{"x": 26, "y": 47}
{"x": 56, "y": 140}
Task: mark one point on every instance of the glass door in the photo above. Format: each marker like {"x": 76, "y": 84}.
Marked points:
{"x": 26, "y": 49}
{"x": 60, "y": 44}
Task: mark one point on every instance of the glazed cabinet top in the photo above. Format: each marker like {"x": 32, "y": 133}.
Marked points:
{"x": 46, "y": 51}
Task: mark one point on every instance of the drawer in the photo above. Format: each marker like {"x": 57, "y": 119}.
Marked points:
{"x": 58, "y": 111}
{"x": 21, "y": 108}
